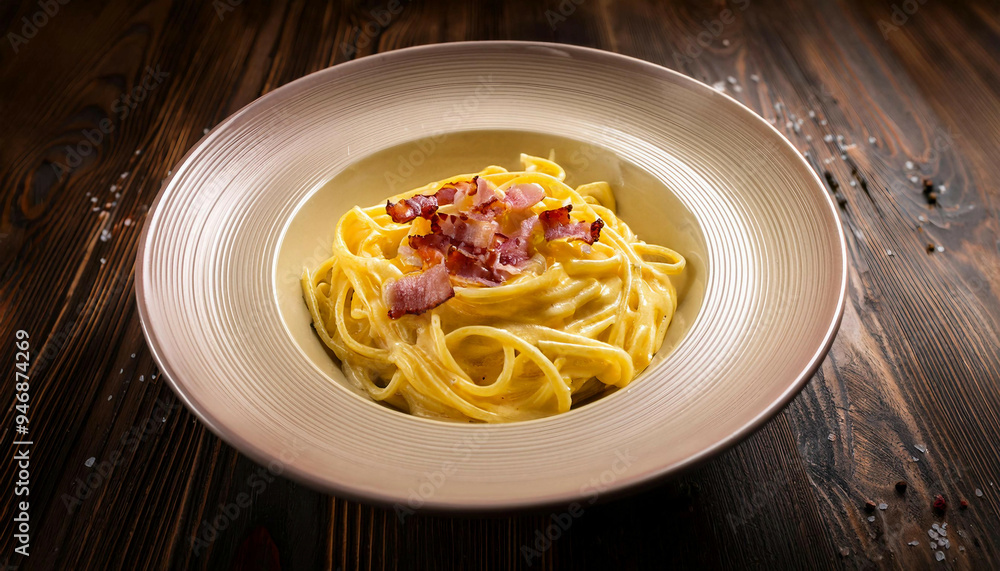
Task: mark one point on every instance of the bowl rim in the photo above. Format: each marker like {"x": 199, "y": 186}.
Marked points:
{"x": 435, "y": 505}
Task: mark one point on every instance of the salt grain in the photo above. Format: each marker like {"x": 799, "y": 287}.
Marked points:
{"x": 914, "y": 542}
{"x": 109, "y": 397}
{"x": 979, "y": 493}
{"x": 138, "y": 151}
{"x": 889, "y": 253}
{"x": 883, "y": 506}
{"x": 754, "y": 77}
{"x": 737, "y": 89}
{"x": 133, "y": 355}
{"x": 90, "y": 462}
{"x": 942, "y": 188}
{"x": 725, "y": 43}
{"x": 113, "y": 188}
{"x": 95, "y": 209}
{"x": 914, "y": 179}
{"x": 831, "y": 437}
{"x": 103, "y": 261}
{"x": 128, "y": 222}
{"x": 105, "y": 235}
{"x": 922, "y": 219}
{"x": 204, "y": 131}
{"x": 933, "y": 534}
{"x": 914, "y": 459}
{"x": 940, "y": 248}
{"x": 909, "y": 165}
{"x": 812, "y": 114}
{"x": 94, "y": 199}
{"x": 933, "y": 545}
{"x": 809, "y": 137}
{"x": 124, "y": 174}
{"x": 854, "y": 183}
{"x": 823, "y": 122}
{"x": 719, "y": 86}
{"x": 142, "y": 378}
{"x": 828, "y": 138}
{"x": 921, "y": 448}
{"x": 939, "y": 555}
{"x": 872, "y": 140}
{"x": 731, "y": 80}
{"x": 871, "y": 518}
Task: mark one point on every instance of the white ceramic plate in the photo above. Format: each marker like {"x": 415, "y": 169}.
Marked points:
{"x": 257, "y": 199}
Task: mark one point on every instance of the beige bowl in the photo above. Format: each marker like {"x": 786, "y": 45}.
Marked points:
{"x": 257, "y": 199}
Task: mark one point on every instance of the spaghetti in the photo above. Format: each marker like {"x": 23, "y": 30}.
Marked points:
{"x": 492, "y": 297}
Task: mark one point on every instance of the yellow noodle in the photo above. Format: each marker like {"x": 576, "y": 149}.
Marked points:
{"x": 581, "y": 319}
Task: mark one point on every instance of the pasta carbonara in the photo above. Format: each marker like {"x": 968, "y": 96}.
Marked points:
{"x": 492, "y": 297}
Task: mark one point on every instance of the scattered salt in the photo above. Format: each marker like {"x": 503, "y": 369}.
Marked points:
{"x": 204, "y": 131}
{"x": 828, "y": 138}
{"x": 124, "y": 174}
{"x": 142, "y": 378}
{"x": 138, "y": 151}
{"x": 731, "y": 80}
{"x": 103, "y": 261}
{"x": 109, "y": 397}
{"x": 95, "y": 209}
{"x": 789, "y": 125}
{"x": 133, "y": 355}
{"x": 933, "y": 545}
{"x": 914, "y": 179}
{"x": 909, "y": 165}
{"x": 809, "y": 137}
{"x": 854, "y": 183}
{"x": 942, "y": 188}
{"x": 719, "y": 86}
{"x": 105, "y": 235}
{"x": 883, "y": 506}
{"x": 979, "y": 493}
{"x": 889, "y": 253}
{"x": 922, "y": 219}
{"x": 940, "y": 248}
{"x": 812, "y": 114}
{"x": 128, "y": 222}
{"x": 737, "y": 89}
{"x": 939, "y": 555}
{"x": 823, "y": 122}
{"x": 93, "y": 199}
{"x": 831, "y": 437}
{"x": 933, "y": 534}
{"x": 872, "y": 140}
{"x": 90, "y": 462}
{"x": 754, "y": 77}
{"x": 113, "y": 188}
{"x": 914, "y": 459}
{"x": 725, "y": 43}
{"x": 921, "y": 448}
{"x": 914, "y": 542}
{"x": 871, "y": 518}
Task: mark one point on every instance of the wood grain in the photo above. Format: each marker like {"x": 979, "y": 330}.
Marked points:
{"x": 873, "y": 102}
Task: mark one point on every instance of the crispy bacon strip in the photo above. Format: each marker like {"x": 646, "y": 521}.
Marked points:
{"x": 409, "y": 208}
{"x": 558, "y": 224}
{"x": 523, "y": 196}
{"x": 418, "y": 292}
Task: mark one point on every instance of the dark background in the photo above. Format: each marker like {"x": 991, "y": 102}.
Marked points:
{"x": 912, "y": 87}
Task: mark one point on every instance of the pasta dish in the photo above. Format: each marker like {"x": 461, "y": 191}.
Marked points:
{"x": 494, "y": 296}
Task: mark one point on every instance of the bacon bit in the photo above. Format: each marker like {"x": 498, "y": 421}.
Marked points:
{"x": 524, "y": 196}
{"x": 963, "y": 504}
{"x": 418, "y": 292}
{"x": 478, "y": 269}
{"x": 557, "y": 225}
{"x": 446, "y": 194}
{"x": 409, "y": 208}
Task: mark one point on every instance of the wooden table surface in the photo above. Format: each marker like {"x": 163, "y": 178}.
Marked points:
{"x": 98, "y": 102}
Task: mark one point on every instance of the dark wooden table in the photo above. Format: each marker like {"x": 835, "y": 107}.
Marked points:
{"x": 98, "y": 102}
